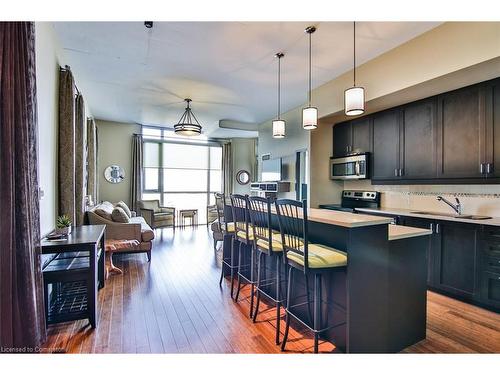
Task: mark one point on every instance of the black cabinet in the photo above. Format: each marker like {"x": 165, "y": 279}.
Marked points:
{"x": 461, "y": 133}
{"x": 456, "y": 258}
{"x": 341, "y": 139}
{"x": 489, "y": 277}
{"x": 418, "y": 138}
{"x": 352, "y": 137}
{"x": 386, "y": 145}
{"x": 491, "y": 165}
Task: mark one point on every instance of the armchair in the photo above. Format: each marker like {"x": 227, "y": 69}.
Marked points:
{"x": 157, "y": 216}
{"x": 211, "y": 214}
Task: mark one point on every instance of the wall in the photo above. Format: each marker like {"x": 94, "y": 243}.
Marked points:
{"x": 47, "y": 80}
{"x": 243, "y": 153}
{"x": 115, "y": 147}
{"x": 450, "y": 56}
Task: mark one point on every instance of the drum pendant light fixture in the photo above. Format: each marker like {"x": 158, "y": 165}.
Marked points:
{"x": 354, "y": 97}
{"x": 279, "y": 124}
{"x": 188, "y": 124}
{"x": 310, "y": 113}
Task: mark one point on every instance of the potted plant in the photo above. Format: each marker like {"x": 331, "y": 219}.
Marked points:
{"x": 63, "y": 225}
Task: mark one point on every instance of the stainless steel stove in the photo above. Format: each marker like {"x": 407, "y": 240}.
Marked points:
{"x": 352, "y": 199}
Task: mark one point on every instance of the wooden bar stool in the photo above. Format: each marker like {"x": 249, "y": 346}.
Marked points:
{"x": 244, "y": 235}
{"x": 227, "y": 229}
{"x": 310, "y": 259}
{"x": 267, "y": 244}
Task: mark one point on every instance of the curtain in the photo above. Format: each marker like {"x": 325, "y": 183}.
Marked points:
{"x": 91, "y": 159}
{"x": 80, "y": 167}
{"x": 22, "y": 322}
{"x": 66, "y": 145}
{"x": 227, "y": 169}
{"x": 136, "y": 183}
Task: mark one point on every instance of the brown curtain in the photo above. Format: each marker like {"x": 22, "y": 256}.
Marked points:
{"x": 80, "y": 167}
{"x": 67, "y": 144}
{"x": 91, "y": 159}
{"x": 227, "y": 169}
{"x": 136, "y": 183}
{"x": 22, "y": 322}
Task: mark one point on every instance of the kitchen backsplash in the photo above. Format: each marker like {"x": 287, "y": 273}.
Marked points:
{"x": 476, "y": 199}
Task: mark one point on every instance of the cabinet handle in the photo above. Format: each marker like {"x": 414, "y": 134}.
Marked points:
{"x": 396, "y": 172}
{"x": 431, "y": 227}
{"x": 489, "y": 169}
{"x": 437, "y": 228}
{"x": 401, "y": 172}
{"x": 481, "y": 168}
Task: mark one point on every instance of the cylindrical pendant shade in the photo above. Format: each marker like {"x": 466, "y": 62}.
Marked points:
{"x": 354, "y": 101}
{"x": 310, "y": 118}
{"x": 278, "y": 128}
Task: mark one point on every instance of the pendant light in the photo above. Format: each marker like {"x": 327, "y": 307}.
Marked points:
{"x": 354, "y": 97}
{"x": 188, "y": 124}
{"x": 279, "y": 124}
{"x": 310, "y": 113}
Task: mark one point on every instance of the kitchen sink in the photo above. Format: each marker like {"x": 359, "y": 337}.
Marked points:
{"x": 470, "y": 217}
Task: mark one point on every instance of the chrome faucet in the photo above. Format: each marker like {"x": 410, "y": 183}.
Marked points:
{"x": 457, "y": 207}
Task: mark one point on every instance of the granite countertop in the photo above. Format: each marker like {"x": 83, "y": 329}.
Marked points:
{"x": 399, "y": 232}
{"x": 495, "y": 221}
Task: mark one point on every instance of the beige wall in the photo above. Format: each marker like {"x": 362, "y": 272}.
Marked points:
{"x": 450, "y": 56}
{"x": 243, "y": 153}
{"x": 115, "y": 147}
{"x": 47, "y": 81}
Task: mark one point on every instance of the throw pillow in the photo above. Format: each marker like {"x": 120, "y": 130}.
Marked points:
{"x": 119, "y": 215}
{"x": 125, "y": 208}
{"x": 104, "y": 211}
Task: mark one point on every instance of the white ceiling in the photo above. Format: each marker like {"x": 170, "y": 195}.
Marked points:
{"x": 132, "y": 74}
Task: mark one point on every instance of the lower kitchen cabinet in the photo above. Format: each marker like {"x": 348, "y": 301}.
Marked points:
{"x": 454, "y": 246}
{"x": 490, "y": 289}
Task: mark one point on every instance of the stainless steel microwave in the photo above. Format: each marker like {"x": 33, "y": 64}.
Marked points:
{"x": 351, "y": 167}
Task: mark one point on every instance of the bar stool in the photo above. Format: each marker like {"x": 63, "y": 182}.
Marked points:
{"x": 244, "y": 235}
{"x": 267, "y": 243}
{"x": 311, "y": 259}
{"x": 227, "y": 229}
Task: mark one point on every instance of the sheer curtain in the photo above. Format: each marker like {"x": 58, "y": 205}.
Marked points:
{"x": 137, "y": 160}
{"x": 22, "y": 322}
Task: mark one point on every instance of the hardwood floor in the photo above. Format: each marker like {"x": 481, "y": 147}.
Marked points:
{"x": 174, "y": 305}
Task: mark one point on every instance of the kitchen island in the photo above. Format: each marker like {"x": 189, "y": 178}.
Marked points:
{"x": 381, "y": 297}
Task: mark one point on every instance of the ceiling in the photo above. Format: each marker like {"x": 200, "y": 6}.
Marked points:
{"x": 132, "y": 74}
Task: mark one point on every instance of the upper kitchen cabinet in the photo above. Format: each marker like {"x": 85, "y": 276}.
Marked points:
{"x": 492, "y": 159}
{"x": 386, "y": 145}
{"x": 461, "y": 129}
{"x": 352, "y": 137}
{"x": 342, "y": 136}
{"x": 418, "y": 137}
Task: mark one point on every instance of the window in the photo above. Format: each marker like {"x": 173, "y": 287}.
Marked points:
{"x": 184, "y": 175}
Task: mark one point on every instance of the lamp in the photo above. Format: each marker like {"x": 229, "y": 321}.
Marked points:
{"x": 279, "y": 125}
{"x": 310, "y": 113}
{"x": 188, "y": 124}
{"x": 354, "y": 97}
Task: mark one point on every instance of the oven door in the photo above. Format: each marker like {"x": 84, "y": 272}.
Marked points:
{"x": 348, "y": 168}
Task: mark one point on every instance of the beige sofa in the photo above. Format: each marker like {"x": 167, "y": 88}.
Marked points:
{"x": 135, "y": 229}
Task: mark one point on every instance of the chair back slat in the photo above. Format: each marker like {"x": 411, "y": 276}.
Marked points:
{"x": 239, "y": 206}
{"x": 259, "y": 210}
{"x": 293, "y": 223}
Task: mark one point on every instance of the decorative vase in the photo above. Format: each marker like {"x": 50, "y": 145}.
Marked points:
{"x": 63, "y": 231}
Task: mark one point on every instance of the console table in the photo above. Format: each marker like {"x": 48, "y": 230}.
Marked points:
{"x": 76, "y": 271}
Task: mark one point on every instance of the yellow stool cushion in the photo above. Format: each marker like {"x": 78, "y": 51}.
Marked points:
{"x": 276, "y": 244}
{"x": 320, "y": 256}
{"x": 229, "y": 227}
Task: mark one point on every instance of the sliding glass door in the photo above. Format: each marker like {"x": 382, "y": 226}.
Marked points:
{"x": 182, "y": 175}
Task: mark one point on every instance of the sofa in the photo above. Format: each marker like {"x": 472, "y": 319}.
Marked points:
{"x": 135, "y": 229}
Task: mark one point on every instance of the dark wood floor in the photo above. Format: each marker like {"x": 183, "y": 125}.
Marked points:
{"x": 174, "y": 305}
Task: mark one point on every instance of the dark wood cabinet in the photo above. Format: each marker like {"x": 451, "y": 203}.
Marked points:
{"x": 342, "y": 134}
{"x": 461, "y": 129}
{"x": 361, "y": 135}
{"x": 386, "y": 145}
{"x": 418, "y": 138}
{"x": 352, "y": 137}
{"x": 492, "y": 138}
{"x": 456, "y": 263}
